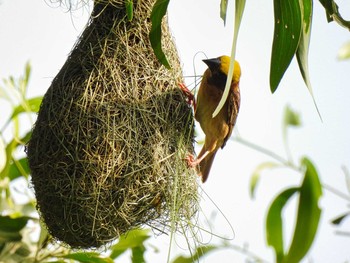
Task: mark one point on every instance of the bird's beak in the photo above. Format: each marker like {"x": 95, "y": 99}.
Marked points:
{"x": 212, "y": 63}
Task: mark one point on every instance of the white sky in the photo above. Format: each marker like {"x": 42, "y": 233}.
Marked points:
{"x": 31, "y": 30}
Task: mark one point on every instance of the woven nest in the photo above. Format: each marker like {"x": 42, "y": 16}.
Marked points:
{"x": 107, "y": 150}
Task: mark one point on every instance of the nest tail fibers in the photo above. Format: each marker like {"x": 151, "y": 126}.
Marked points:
{"x": 107, "y": 148}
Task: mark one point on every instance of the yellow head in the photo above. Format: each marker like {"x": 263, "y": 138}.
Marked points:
{"x": 225, "y": 65}
{"x": 222, "y": 64}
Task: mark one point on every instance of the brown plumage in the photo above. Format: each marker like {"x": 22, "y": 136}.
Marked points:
{"x": 218, "y": 129}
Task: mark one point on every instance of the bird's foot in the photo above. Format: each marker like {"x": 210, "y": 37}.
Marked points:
{"x": 190, "y": 97}
{"x": 191, "y": 160}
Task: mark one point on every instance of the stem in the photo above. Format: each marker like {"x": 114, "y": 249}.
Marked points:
{"x": 248, "y": 253}
{"x": 342, "y": 233}
{"x": 286, "y": 145}
{"x": 265, "y": 151}
{"x": 288, "y": 164}
{"x": 336, "y": 192}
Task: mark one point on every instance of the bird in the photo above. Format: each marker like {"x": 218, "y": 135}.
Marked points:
{"x": 217, "y": 130}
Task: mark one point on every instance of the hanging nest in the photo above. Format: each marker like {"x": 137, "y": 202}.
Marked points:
{"x": 107, "y": 150}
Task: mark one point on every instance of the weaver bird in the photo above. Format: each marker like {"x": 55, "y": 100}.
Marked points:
{"x": 217, "y": 130}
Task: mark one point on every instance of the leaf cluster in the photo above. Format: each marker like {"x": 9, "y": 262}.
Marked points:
{"x": 291, "y": 38}
{"x": 308, "y": 192}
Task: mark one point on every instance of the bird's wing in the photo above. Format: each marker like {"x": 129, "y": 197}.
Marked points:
{"x": 233, "y": 103}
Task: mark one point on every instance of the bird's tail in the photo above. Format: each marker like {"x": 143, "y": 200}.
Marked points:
{"x": 205, "y": 165}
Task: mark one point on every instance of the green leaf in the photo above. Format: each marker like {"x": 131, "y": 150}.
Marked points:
{"x": 10, "y": 148}
{"x": 239, "y": 9}
{"x": 10, "y": 228}
{"x": 10, "y": 224}
{"x": 129, "y": 6}
{"x": 137, "y": 254}
{"x": 257, "y": 174}
{"x": 6, "y": 236}
{"x": 344, "y": 51}
{"x": 24, "y": 81}
{"x": 22, "y": 251}
{"x": 18, "y": 168}
{"x": 4, "y": 95}
{"x": 133, "y": 239}
{"x": 340, "y": 219}
{"x": 88, "y": 257}
{"x": 308, "y": 214}
{"x": 14, "y": 252}
{"x": 199, "y": 253}
{"x": 155, "y": 35}
{"x": 291, "y": 118}
{"x": 303, "y": 47}
{"x": 44, "y": 236}
{"x": 274, "y": 222}
{"x": 223, "y": 10}
{"x": 3, "y": 157}
{"x": 286, "y": 38}
{"x": 31, "y": 105}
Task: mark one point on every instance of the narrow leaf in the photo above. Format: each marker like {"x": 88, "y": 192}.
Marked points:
{"x": 43, "y": 236}
{"x": 199, "y": 253}
{"x": 21, "y": 252}
{"x": 25, "y": 80}
{"x": 18, "y": 168}
{"x": 10, "y": 228}
{"x": 274, "y": 222}
{"x": 3, "y": 157}
{"x": 10, "y": 148}
{"x": 285, "y": 40}
{"x": 13, "y": 224}
{"x": 291, "y": 118}
{"x": 223, "y": 10}
{"x": 155, "y": 35}
{"x": 29, "y": 106}
{"x": 137, "y": 254}
{"x": 129, "y": 6}
{"x": 303, "y": 48}
{"x": 344, "y": 51}
{"x": 134, "y": 238}
{"x": 88, "y": 257}
{"x": 340, "y": 219}
{"x": 257, "y": 174}
{"x": 308, "y": 214}
{"x": 302, "y": 53}
{"x": 7, "y": 236}
{"x": 4, "y": 95}
{"x": 239, "y": 9}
